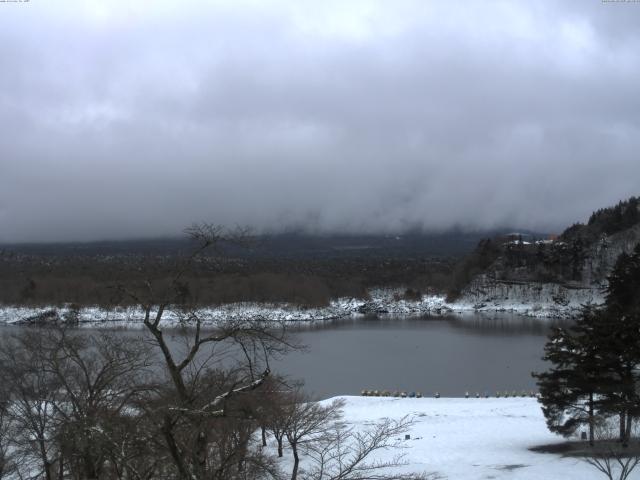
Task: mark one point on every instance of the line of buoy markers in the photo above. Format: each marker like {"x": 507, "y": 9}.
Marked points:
{"x": 403, "y": 394}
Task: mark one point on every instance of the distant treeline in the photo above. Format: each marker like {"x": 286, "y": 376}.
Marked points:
{"x": 298, "y": 246}
{"x": 302, "y": 269}
{"x": 48, "y": 280}
{"x": 305, "y": 270}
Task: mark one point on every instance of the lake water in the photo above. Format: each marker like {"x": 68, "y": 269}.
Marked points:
{"x": 449, "y": 355}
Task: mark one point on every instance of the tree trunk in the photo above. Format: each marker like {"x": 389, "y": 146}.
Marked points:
{"x": 45, "y": 460}
{"x": 167, "y": 431}
{"x": 591, "y": 419}
{"x": 264, "y": 436}
{"x": 201, "y": 454}
{"x": 90, "y": 470}
{"x": 242, "y": 455}
{"x": 623, "y": 436}
{"x": 61, "y": 467}
{"x": 296, "y": 462}
{"x": 627, "y": 433}
{"x": 174, "y": 372}
{"x": 279, "y": 447}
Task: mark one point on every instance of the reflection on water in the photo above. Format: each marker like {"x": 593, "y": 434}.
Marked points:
{"x": 486, "y": 324}
{"x": 449, "y": 355}
{"x": 445, "y": 354}
{"x": 481, "y": 323}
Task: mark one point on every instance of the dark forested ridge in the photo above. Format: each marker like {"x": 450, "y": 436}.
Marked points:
{"x": 305, "y": 269}
{"x": 310, "y": 270}
{"x": 581, "y": 255}
{"x": 286, "y": 245}
{"x": 605, "y": 221}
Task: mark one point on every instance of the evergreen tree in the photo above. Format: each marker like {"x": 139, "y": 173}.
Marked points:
{"x": 619, "y": 340}
{"x": 623, "y": 292}
{"x": 570, "y": 388}
{"x": 595, "y": 365}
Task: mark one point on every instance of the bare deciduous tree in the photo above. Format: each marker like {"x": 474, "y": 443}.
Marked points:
{"x": 201, "y": 390}
{"x": 66, "y": 398}
{"x": 305, "y": 422}
{"x": 32, "y": 394}
{"x": 347, "y": 453}
{"x": 612, "y": 458}
{"x": 8, "y": 457}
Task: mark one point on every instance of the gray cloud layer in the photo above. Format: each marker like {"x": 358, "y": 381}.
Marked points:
{"x": 126, "y": 120}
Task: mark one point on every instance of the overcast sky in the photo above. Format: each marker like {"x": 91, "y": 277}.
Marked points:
{"x": 129, "y": 119}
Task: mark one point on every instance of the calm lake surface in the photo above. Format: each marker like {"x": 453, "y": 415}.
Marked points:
{"x": 449, "y": 355}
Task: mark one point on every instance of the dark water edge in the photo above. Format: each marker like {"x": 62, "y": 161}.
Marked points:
{"x": 474, "y": 352}
{"x": 449, "y": 355}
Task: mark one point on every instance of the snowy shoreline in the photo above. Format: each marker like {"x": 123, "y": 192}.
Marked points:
{"x": 382, "y": 301}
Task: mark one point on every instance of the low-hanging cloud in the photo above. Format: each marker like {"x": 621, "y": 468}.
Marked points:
{"x": 364, "y": 116}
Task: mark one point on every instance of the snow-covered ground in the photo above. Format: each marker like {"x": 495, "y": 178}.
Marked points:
{"x": 465, "y": 439}
{"x": 382, "y": 301}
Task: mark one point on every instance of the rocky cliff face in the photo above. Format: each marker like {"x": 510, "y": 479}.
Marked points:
{"x": 493, "y": 291}
{"x": 485, "y": 293}
{"x": 602, "y": 255}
